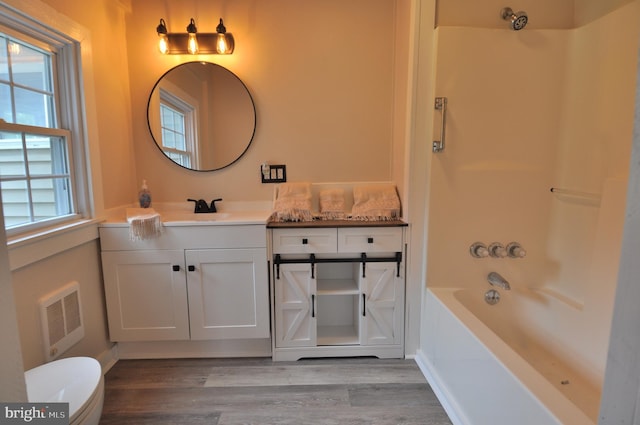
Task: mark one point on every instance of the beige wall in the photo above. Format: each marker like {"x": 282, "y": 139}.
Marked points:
{"x": 33, "y": 282}
{"x": 110, "y": 136}
{"x": 589, "y": 10}
{"x": 529, "y": 111}
{"x": 105, "y": 20}
{"x": 13, "y": 387}
{"x": 329, "y": 82}
{"x": 327, "y": 78}
{"x": 543, "y": 14}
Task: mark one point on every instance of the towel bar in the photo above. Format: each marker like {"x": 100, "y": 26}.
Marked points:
{"x": 576, "y": 193}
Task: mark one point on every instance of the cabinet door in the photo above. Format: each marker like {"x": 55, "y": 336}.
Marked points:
{"x": 381, "y": 305}
{"x": 228, "y": 293}
{"x": 146, "y": 295}
{"x": 295, "y": 305}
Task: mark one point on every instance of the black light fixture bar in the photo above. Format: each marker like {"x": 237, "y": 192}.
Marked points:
{"x": 220, "y": 42}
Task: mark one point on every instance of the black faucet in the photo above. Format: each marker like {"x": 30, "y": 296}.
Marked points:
{"x": 202, "y": 207}
{"x": 212, "y": 209}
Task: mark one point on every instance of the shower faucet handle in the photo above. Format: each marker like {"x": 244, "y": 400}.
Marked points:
{"x": 478, "y": 250}
{"x": 497, "y": 250}
{"x": 515, "y": 250}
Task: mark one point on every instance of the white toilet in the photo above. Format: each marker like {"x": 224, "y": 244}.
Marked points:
{"x": 76, "y": 380}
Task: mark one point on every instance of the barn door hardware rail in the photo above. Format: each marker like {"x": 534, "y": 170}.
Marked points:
{"x": 397, "y": 258}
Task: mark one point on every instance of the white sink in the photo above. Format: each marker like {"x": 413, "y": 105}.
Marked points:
{"x": 189, "y": 217}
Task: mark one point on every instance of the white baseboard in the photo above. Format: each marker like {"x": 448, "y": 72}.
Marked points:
{"x": 259, "y": 347}
{"x": 108, "y": 358}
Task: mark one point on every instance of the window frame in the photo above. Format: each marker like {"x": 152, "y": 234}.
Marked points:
{"x": 23, "y": 130}
{"x": 70, "y": 109}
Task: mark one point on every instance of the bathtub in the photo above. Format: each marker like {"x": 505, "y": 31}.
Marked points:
{"x": 487, "y": 366}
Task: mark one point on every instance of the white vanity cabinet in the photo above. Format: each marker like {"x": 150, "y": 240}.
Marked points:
{"x": 191, "y": 283}
{"x": 146, "y": 295}
{"x": 228, "y": 293}
{"x": 338, "y": 291}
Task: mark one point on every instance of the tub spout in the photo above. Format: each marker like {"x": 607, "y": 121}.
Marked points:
{"x": 496, "y": 280}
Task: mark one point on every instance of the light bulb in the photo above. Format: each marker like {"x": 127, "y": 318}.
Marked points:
{"x": 221, "y": 44}
{"x": 192, "y": 44}
{"x": 163, "y": 44}
{"x": 224, "y": 42}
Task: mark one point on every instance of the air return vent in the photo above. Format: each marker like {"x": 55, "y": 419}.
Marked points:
{"x": 62, "y": 324}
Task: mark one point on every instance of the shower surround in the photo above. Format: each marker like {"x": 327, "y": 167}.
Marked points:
{"x": 528, "y": 111}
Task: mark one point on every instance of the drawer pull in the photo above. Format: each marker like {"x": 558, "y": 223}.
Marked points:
{"x": 305, "y": 241}
{"x": 192, "y": 268}
{"x": 176, "y": 268}
{"x": 364, "y": 305}
{"x": 313, "y": 305}
{"x": 370, "y": 240}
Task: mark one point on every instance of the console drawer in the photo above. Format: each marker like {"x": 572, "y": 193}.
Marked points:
{"x": 370, "y": 239}
{"x": 305, "y": 241}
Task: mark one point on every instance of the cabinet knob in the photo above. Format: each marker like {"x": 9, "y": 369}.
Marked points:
{"x": 192, "y": 268}
{"x": 176, "y": 268}
{"x": 305, "y": 241}
{"x": 369, "y": 240}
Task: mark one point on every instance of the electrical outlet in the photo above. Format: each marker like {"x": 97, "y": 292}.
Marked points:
{"x": 275, "y": 174}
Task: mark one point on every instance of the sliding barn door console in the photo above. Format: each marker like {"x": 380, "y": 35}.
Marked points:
{"x": 337, "y": 289}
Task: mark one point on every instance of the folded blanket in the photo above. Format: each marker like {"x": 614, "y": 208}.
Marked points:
{"x": 332, "y": 204}
{"x": 144, "y": 223}
{"x": 375, "y": 202}
{"x": 293, "y": 202}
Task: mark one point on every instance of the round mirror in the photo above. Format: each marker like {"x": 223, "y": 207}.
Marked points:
{"x": 201, "y": 116}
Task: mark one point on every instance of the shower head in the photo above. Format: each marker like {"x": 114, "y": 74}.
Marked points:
{"x": 518, "y": 20}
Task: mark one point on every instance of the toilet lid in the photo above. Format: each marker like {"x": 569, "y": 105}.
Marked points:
{"x": 72, "y": 380}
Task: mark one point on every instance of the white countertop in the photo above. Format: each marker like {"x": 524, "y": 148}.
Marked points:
{"x": 181, "y": 214}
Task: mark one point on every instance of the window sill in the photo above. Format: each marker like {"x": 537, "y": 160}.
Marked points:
{"x": 36, "y": 246}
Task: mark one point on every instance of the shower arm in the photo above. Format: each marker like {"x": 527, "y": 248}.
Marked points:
{"x": 441, "y": 105}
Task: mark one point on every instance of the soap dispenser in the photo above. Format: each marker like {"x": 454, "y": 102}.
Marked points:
{"x": 144, "y": 196}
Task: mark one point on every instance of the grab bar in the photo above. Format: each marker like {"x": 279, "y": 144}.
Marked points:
{"x": 441, "y": 105}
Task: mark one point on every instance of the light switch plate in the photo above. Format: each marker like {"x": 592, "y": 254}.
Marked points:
{"x": 277, "y": 174}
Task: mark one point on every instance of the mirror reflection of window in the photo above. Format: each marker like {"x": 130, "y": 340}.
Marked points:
{"x": 178, "y": 123}
{"x": 224, "y": 116}
{"x": 174, "y": 141}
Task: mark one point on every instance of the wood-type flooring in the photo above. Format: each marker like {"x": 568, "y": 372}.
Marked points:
{"x": 258, "y": 391}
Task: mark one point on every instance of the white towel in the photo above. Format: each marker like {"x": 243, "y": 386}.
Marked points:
{"x": 375, "y": 202}
{"x": 293, "y": 202}
{"x": 144, "y": 223}
{"x": 332, "y": 204}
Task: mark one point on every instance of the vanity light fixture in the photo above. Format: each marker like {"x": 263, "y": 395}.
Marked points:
{"x": 224, "y": 42}
{"x": 192, "y": 42}
{"x": 163, "y": 41}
